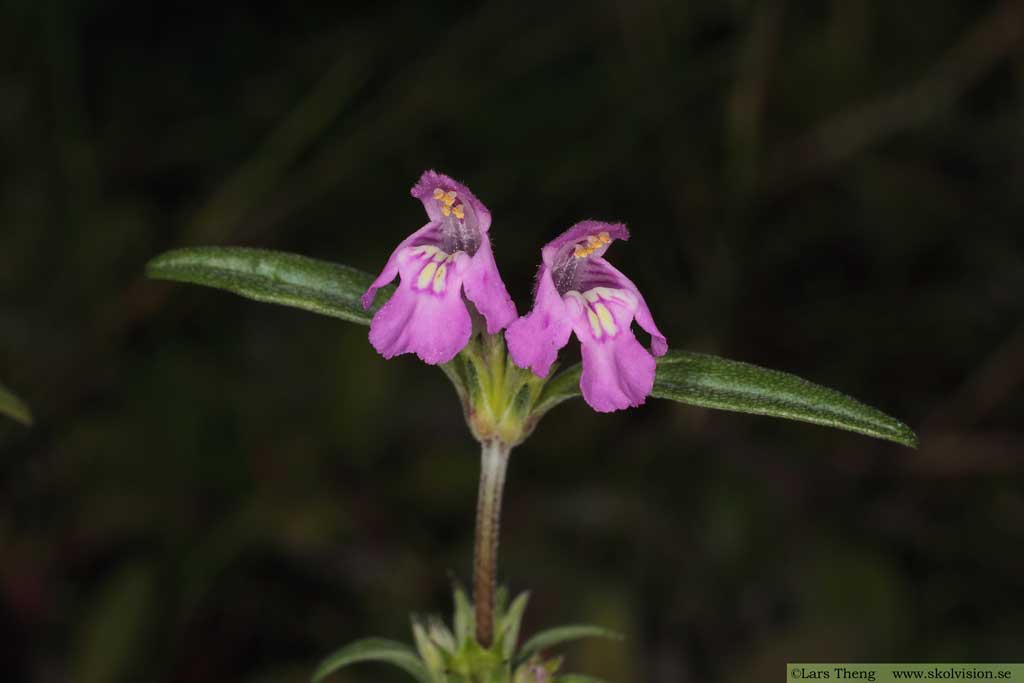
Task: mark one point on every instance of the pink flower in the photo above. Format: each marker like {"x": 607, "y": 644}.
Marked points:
{"x": 446, "y": 257}
{"x": 579, "y": 291}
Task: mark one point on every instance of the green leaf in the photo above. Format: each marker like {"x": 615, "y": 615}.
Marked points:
{"x": 13, "y": 407}
{"x": 511, "y": 620}
{"x": 464, "y": 619}
{"x": 430, "y": 652}
{"x": 274, "y": 277}
{"x": 561, "y": 634}
{"x": 373, "y": 650}
{"x": 712, "y": 382}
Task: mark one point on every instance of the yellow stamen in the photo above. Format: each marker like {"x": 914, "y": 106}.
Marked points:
{"x": 438, "y": 193}
{"x": 459, "y": 213}
{"x": 446, "y": 210}
{"x": 439, "y": 278}
{"x": 593, "y": 243}
{"x": 426, "y": 274}
{"x": 449, "y": 197}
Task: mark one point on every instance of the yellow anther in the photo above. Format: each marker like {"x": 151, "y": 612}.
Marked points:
{"x": 459, "y": 213}
{"x": 426, "y": 274}
{"x": 446, "y": 210}
{"x": 438, "y": 193}
{"x": 593, "y": 243}
{"x": 449, "y": 197}
{"x": 439, "y": 278}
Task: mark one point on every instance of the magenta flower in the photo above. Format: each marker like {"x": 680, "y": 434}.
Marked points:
{"x": 578, "y": 291}
{"x": 451, "y": 254}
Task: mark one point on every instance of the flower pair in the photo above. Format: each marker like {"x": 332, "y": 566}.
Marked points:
{"x": 577, "y": 291}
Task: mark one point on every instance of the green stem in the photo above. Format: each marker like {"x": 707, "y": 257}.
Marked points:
{"x": 493, "y": 461}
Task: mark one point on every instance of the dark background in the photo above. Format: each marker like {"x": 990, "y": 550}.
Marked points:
{"x": 218, "y": 490}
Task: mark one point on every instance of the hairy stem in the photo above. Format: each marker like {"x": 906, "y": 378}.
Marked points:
{"x": 493, "y": 461}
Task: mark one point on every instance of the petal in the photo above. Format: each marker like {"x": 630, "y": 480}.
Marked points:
{"x": 432, "y": 180}
{"x": 534, "y": 340}
{"x": 434, "y": 325}
{"x": 428, "y": 234}
{"x": 618, "y": 372}
{"x": 600, "y": 273}
{"x": 659, "y": 345}
{"x": 483, "y": 286}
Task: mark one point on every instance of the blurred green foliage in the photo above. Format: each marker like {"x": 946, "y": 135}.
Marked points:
{"x": 220, "y": 490}
{"x": 13, "y": 407}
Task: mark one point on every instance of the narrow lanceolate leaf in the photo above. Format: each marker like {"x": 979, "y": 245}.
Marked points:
{"x": 713, "y": 382}
{"x": 273, "y": 276}
{"x": 374, "y": 650}
{"x": 562, "y": 634}
{"x": 13, "y": 407}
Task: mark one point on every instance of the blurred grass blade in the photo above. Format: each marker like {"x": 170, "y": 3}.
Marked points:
{"x": 14, "y": 407}
{"x": 117, "y": 631}
{"x": 712, "y": 382}
{"x": 274, "y": 277}
{"x": 373, "y": 650}
{"x": 561, "y": 634}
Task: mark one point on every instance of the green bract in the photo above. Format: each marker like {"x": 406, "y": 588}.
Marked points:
{"x": 13, "y": 407}
{"x": 452, "y": 655}
{"x": 500, "y": 399}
